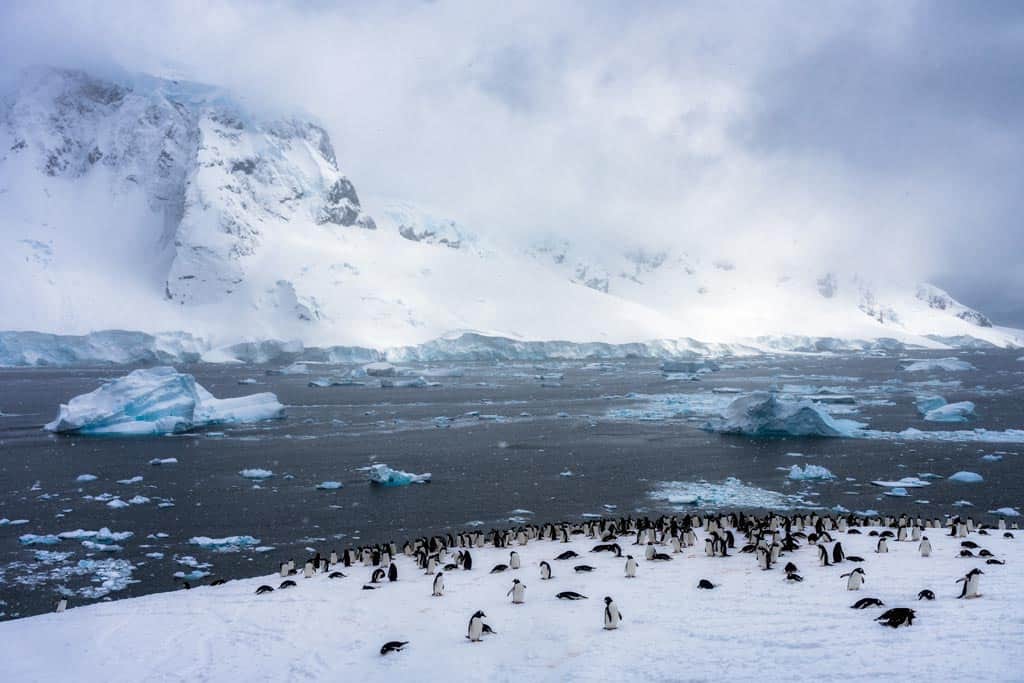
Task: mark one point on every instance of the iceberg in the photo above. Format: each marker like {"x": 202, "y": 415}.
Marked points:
{"x": 991, "y": 457}
{"x": 104, "y": 535}
{"x": 382, "y": 475}
{"x": 416, "y": 383}
{"x": 1005, "y": 512}
{"x": 82, "y": 478}
{"x": 380, "y": 369}
{"x": 761, "y": 413}
{"x": 229, "y": 544}
{"x": 951, "y": 412}
{"x": 163, "y": 461}
{"x": 809, "y": 472}
{"x": 967, "y": 477}
{"x": 928, "y": 402}
{"x": 329, "y": 485}
{"x": 38, "y": 539}
{"x": 905, "y": 483}
{"x": 897, "y": 492}
{"x": 157, "y": 400}
{"x": 256, "y": 473}
{"x": 938, "y": 364}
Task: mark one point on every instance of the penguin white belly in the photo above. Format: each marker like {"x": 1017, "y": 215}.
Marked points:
{"x": 631, "y": 568}
{"x": 854, "y": 582}
{"x": 611, "y": 617}
{"x": 519, "y": 594}
{"x": 476, "y": 629}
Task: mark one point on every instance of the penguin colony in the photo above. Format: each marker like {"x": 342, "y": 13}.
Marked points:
{"x": 768, "y": 539}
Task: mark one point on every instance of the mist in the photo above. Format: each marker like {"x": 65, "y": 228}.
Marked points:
{"x": 877, "y": 138}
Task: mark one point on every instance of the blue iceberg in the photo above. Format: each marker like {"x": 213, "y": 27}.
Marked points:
{"x": 382, "y": 475}
{"x": 761, "y": 413}
{"x": 158, "y": 401}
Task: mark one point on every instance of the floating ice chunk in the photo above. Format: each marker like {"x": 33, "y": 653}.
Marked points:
{"x": 117, "y": 503}
{"x": 991, "y": 457}
{"x": 730, "y": 493}
{"x": 104, "y": 535}
{"x": 163, "y": 461}
{"x": 897, "y": 492}
{"x": 684, "y": 499}
{"x": 566, "y": 473}
{"x": 870, "y": 512}
{"x": 293, "y": 369}
{"x": 810, "y": 472}
{"x": 382, "y": 475}
{"x": 928, "y": 402}
{"x": 157, "y": 401}
{"x": 932, "y": 365}
{"x": 248, "y": 380}
{"x": 38, "y": 539}
{"x": 101, "y": 547}
{"x": 133, "y": 480}
{"x": 228, "y": 544}
{"x": 256, "y": 473}
{"x": 110, "y": 574}
{"x": 86, "y": 477}
{"x": 905, "y": 482}
{"x": 761, "y": 413}
{"x": 951, "y": 412}
{"x": 416, "y": 383}
{"x": 155, "y": 556}
{"x": 138, "y": 500}
{"x": 957, "y": 436}
{"x": 1005, "y": 512}
{"x": 193, "y": 575}
{"x": 380, "y": 369}
{"x": 329, "y": 485}
{"x": 12, "y": 522}
{"x": 964, "y": 477}
{"x": 963, "y": 504}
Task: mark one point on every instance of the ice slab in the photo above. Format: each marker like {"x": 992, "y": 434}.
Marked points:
{"x": 228, "y": 544}
{"x": 905, "y": 482}
{"x": 729, "y": 493}
{"x": 1005, "y": 512}
{"x": 965, "y": 477}
{"x": 329, "y": 485}
{"x": 157, "y": 400}
{"x": 951, "y": 412}
{"x": 256, "y": 473}
{"x": 382, "y": 475}
{"x": 810, "y": 472}
{"x": 938, "y": 364}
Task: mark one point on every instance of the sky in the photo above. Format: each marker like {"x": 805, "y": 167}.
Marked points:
{"x": 882, "y": 138}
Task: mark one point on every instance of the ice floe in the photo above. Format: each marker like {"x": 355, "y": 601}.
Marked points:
{"x": 38, "y": 539}
{"x": 82, "y": 478}
{"x": 329, "y": 485}
{"x": 382, "y": 475}
{"x": 228, "y": 544}
{"x": 905, "y": 483}
{"x": 158, "y": 401}
{"x": 256, "y": 473}
{"x": 809, "y": 472}
{"x": 936, "y": 364}
{"x": 163, "y": 461}
{"x": 951, "y": 412}
{"x": 965, "y": 477}
{"x": 729, "y": 493}
{"x": 1006, "y": 512}
{"x": 991, "y": 457}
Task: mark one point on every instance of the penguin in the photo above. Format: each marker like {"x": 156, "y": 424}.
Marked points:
{"x": 62, "y": 605}
{"x": 704, "y": 584}
{"x": 467, "y": 562}
{"x": 378, "y": 575}
{"x": 545, "y": 571}
{"x": 612, "y": 615}
{"x": 476, "y": 626}
{"x": 676, "y": 545}
{"x": 264, "y": 589}
{"x": 896, "y": 617}
{"x": 925, "y": 547}
{"x": 393, "y": 572}
{"x": 854, "y": 579}
{"x": 431, "y": 565}
{"x": 630, "y": 567}
{"x": 567, "y": 555}
{"x": 438, "y": 585}
{"x": 499, "y": 568}
{"x": 571, "y": 595}
{"x": 882, "y": 546}
{"x": 513, "y": 560}
{"x": 393, "y": 646}
{"x": 793, "y": 577}
{"x": 867, "y": 602}
{"x": 823, "y": 556}
{"x": 287, "y": 583}
{"x": 790, "y": 568}
{"x": 307, "y": 571}
{"x": 284, "y": 569}
{"x": 336, "y": 575}
{"x": 649, "y": 551}
{"x": 583, "y": 568}
{"x": 334, "y": 557}
{"x": 926, "y": 595}
{"x": 517, "y": 591}
{"x": 970, "y": 581}
{"x": 838, "y": 554}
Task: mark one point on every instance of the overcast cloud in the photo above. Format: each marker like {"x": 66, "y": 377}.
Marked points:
{"x": 885, "y": 138}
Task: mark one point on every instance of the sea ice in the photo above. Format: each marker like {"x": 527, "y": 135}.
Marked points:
{"x": 383, "y": 475}
{"x": 228, "y": 544}
{"x": 951, "y": 412}
{"x": 966, "y": 477}
{"x": 256, "y": 473}
{"x": 329, "y": 485}
{"x": 38, "y": 539}
{"x": 897, "y": 492}
{"x": 163, "y": 461}
{"x": 101, "y": 547}
{"x": 380, "y": 369}
{"x": 117, "y": 503}
{"x": 932, "y": 365}
{"x": 104, "y": 535}
{"x": 905, "y": 482}
{"x": 133, "y": 480}
{"x": 991, "y": 457}
{"x": 761, "y": 413}
{"x": 157, "y": 401}
{"x": 810, "y": 472}
{"x": 730, "y": 493}
{"x": 86, "y": 477}
{"x": 1005, "y": 512}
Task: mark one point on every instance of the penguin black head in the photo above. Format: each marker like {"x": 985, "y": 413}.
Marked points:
{"x": 479, "y": 613}
{"x": 629, "y": 557}
{"x": 607, "y": 600}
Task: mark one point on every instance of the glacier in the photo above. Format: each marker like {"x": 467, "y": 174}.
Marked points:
{"x": 157, "y": 400}
{"x": 765, "y": 414}
{"x": 382, "y": 475}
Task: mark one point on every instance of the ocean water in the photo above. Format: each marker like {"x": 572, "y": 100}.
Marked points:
{"x": 505, "y": 443}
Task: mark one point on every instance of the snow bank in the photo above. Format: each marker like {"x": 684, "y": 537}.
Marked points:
{"x": 157, "y": 401}
{"x": 383, "y": 475}
{"x": 810, "y": 472}
{"x": 761, "y": 413}
{"x": 939, "y": 364}
{"x": 964, "y": 477}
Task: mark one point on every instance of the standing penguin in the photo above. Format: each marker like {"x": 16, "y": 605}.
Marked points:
{"x": 438, "y": 585}
{"x": 307, "y": 571}
{"x": 649, "y": 551}
{"x": 838, "y": 554}
{"x": 883, "y": 546}
{"x": 513, "y": 560}
{"x": 545, "y": 571}
{"x": 393, "y": 572}
{"x": 630, "y": 567}
{"x": 854, "y": 579}
{"x": 467, "y": 561}
{"x": 517, "y": 591}
{"x": 476, "y": 626}
{"x": 823, "y": 555}
{"x": 612, "y": 616}
{"x": 284, "y": 569}
{"x": 970, "y": 580}
{"x": 431, "y": 564}
{"x": 925, "y": 547}
{"x": 62, "y": 605}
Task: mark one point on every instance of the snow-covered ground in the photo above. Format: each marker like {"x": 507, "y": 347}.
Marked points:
{"x": 753, "y": 626}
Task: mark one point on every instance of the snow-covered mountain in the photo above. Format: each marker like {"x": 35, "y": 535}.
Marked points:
{"x": 157, "y": 205}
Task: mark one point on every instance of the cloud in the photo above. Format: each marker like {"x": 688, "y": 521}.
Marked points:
{"x": 872, "y": 136}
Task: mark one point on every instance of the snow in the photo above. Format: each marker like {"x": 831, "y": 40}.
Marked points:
{"x": 951, "y": 412}
{"x": 157, "y": 401}
{"x": 765, "y": 414}
{"x": 383, "y": 475}
{"x": 228, "y": 633}
{"x": 964, "y": 477}
{"x": 809, "y": 472}
{"x": 329, "y": 485}
{"x": 256, "y": 473}
{"x": 939, "y": 364}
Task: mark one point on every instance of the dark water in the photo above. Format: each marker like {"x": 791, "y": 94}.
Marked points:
{"x": 484, "y": 470}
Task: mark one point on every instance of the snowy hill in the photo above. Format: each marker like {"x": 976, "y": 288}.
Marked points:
{"x": 158, "y": 205}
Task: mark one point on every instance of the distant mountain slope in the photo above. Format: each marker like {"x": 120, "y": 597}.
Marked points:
{"x": 158, "y": 205}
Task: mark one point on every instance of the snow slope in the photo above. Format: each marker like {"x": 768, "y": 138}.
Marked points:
{"x": 752, "y": 626}
{"x": 156, "y": 205}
